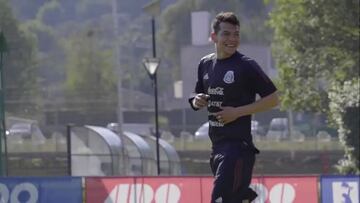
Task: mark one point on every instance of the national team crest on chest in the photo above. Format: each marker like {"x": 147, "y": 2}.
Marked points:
{"x": 229, "y": 77}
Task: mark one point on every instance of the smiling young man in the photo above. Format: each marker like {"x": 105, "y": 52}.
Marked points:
{"x": 227, "y": 84}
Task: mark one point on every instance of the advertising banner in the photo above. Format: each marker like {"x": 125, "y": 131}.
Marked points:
{"x": 40, "y": 190}
{"x": 194, "y": 189}
{"x": 285, "y": 189}
{"x": 143, "y": 189}
{"x": 340, "y": 189}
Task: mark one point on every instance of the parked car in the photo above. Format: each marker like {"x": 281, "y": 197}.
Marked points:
{"x": 278, "y": 129}
{"x": 256, "y": 129}
{"x": 202, "y": 132}
{"x": 25, "y": 131}
{"x": 20, "y": 129}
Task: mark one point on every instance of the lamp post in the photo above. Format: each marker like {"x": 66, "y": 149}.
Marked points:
{"x": 3, "y": 50}
{"x": 151, "y": 65}
{"x": 153, "y": 9}
{"x": 120, "y": 116}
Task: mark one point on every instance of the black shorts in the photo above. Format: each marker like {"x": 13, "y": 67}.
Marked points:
{"x": 232, "y": 166}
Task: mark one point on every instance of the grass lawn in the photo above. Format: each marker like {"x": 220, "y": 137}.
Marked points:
{"x": 286, "y": 145}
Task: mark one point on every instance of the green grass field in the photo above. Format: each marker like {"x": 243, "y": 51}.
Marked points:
{"x": 286, "y": 145}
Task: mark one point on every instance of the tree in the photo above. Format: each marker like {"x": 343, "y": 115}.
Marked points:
{"x": 344, "y": 111}
{"x": 90, "y": 78}
{"x": 20, "y": 70}
{"x": 316, "y": 48}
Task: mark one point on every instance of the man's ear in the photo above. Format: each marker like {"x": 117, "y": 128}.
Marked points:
{"x": 213, "y": 37}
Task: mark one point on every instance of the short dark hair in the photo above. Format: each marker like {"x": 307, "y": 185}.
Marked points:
{"x": 227, "y": 17}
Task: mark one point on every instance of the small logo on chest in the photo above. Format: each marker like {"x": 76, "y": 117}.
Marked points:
{"x": 229, "y": 77}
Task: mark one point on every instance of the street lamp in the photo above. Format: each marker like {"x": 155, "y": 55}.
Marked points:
{"x": 3, "y": 50}
{"x": 151, "y": 65}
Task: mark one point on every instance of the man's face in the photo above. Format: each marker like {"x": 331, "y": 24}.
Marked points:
{"x": 227, "y": 39}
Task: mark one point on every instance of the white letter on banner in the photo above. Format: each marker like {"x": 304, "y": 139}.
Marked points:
{"x": 30, "y": 188}
{"x": 282, "y": 192}
{"x": 139, "y": 193}
{"x": 118, "y": 194}
{"x": 345, "y": 190}
{"x": 4, "y": 193}
{"x": 167, "y": 193}
{"x": 261, "y": 191}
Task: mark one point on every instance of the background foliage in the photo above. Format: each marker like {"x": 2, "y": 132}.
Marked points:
{"x": 316, "y": 45}
{"x": 20, "y": 66}
{"x": 51, "y": 33}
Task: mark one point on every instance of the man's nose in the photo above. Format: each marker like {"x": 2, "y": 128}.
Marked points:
{"x": 234, "y": 37}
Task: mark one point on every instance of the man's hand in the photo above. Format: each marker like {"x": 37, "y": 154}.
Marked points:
{"x": 227, "y": 114}
{"x": 200, "y": 100}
